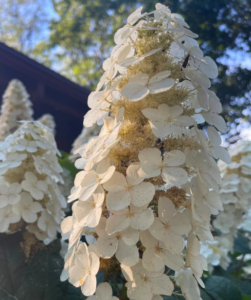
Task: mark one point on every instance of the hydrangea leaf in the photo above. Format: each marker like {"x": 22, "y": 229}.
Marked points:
{"x": 221, "y": 288}
{"x": 38, "y": 278}
{"x": 241, "y": 245}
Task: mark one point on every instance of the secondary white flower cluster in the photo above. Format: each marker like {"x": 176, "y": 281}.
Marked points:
{"x": 48, "y": 121}
{"x": 216, "y": 253}
{"x": 235, "y": 195}
{"x": 16, "y": 107}
{"x": 86, "y": 134}
{"x": 29, "y": 177}
{"x": 149, "y": 182}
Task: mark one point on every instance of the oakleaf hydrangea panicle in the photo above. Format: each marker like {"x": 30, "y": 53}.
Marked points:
{"x": 149, "y": 182}
{"x": 236, "y": 199}
{"x": 48, "y": 121}
{"x": 30, "y": 198}
{"x": 16, "y": 107}
{"x": 86, "y": 134}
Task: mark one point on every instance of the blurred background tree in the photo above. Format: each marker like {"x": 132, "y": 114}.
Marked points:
{"x": 80, "y": 35}
{"x": 22, "y": 23}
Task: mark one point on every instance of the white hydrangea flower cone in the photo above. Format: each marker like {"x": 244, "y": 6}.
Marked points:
{"x": 86, "y": 134}
{"x": 16, "y": 107}
{"x": 236, "y": 199}
{"x": 48, "y": 121}
{"x": 148, "y": 183}
{"x": 30, "y": 174}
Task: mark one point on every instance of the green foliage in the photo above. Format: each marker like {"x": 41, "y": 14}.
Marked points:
{"x": 221, "y": 288}
{"x": 66, "y": 163}
{"x": 241, "y": 245}
{"x": 243, "y": 284}
{"x": 38, "y": 278}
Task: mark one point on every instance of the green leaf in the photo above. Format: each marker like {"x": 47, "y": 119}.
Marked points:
{"x": 35, "y": 279}
{"x": 204, "y": 295}
{"x": 244, "y": 286}
{"x": 241, "y": 245}
{"x": 244, "y": 297}
{"x": 173, "y": 297}
{"x": 66, "y": 163}
{"x": 221, "y": 288}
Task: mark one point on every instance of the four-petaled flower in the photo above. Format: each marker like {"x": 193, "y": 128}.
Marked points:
{"x": 123, "y": 191}
{"x": 170, "y": 225}
{"x": 153, "y": 164}
{"x": 9, "y": 194}
{"x": 37, "y": 188}
{"x": 167, "y": 120}
{"x": 140, "y": 85}
{"x": 27, "y": 208}
{"x": 82, "y": 273}
{"x": 7, "y": 217}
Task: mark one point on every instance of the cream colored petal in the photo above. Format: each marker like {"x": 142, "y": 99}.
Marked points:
{"x": 127, "y": 255}
{"x": 161, "y": 86}
{"x": 134, "y": 91}
{"x": 117, "y": 223}
{"x": 174, "y": 158}
{"x": 151, "y": 260}
{"x": 94, "y": 263}
{"x": 161, "y": 285}
{"x": 147, "y": 239}
{"x": 104, "y": 291}
{"x": 174, "y": 176}
{"x": 157, "y": 229}
{"x": 176, "y": 111}
{"x": 89, "y": 286}
{"x": 173, "y": 242}
{"x": 174, "y": 262}
{"x": 118, "y": 200}
{"x": 107, "y": 246}
{"x": 142, "y": 220}
{"x": 142, "y": 194}
{"x": 166, "y": 209}
{"x": 116, "y": 183}
{"x": 77, "y": 276}
{"x": 130, "y": 236}
{"x": 132, "y": 174}
{"x": 181, "y": 223}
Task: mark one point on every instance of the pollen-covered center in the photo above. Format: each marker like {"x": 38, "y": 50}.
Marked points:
{"x": 167, "y": 225}
{"x": 128, "y": 187}
{"x": 130, "y": 214}
{"x": 158, "y": 249}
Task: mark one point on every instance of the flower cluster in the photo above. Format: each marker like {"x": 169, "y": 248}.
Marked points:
{"x": 48, "y": 121}
{"x": 16, "y": 107}
{"x": 29, "y": 175}
{"x": 235, "y": 195}
{"x": 86, "y": 134}
{"x": 149, "y": 182}
{"x": 216, "y": 253}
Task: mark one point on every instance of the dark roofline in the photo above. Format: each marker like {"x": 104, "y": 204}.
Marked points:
{"x": 17, "y": 60}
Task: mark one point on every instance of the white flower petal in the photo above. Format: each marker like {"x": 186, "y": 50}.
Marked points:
{"x": 89, "y": 286}
{"x": 127, "y": 255}
{"x": 142, "y": 194}
{"x": 174, "y": 176}
{"x": 161, "y": 86}
{"x": 107, "y": 246}
{"x": 134, "y": 91}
